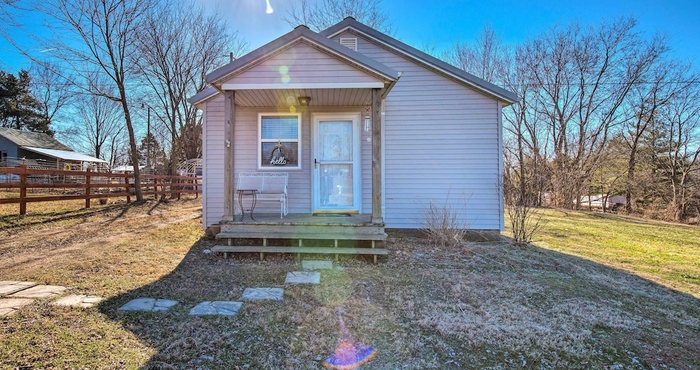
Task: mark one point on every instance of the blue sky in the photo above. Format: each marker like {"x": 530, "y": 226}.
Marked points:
{"x": 442, "y": 23}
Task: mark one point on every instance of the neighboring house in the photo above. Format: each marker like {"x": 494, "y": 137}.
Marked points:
{"x": 361, "y": 122}
{"x": 612, "y": 202}
{"x": 40, "y": 150}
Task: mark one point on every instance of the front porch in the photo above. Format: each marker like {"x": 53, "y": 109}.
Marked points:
{"x": 303, "y": 233}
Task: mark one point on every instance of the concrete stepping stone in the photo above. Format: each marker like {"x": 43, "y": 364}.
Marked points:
{"x": 253, "y": 294}
{"x": 148, "y": 304}
{"x": 9, "y": 287}
{"x": 303, "y": 277}
{"x": 316, "y": 265}
{"x": 78, "y": 300}
{"x": 9, "y": 306}
{"x": 39, "y": 291}
{"x": 222, "y": 308}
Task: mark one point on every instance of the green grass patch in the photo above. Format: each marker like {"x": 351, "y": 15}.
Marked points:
{"x": 666, "y": 253}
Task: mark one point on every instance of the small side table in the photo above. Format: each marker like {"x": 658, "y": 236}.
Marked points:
{"x": 243, "y": 192}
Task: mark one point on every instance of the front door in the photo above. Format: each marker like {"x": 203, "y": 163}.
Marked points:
{"x": 336, "y": 174}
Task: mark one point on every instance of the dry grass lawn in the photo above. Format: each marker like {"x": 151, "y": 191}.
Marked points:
{"x": 484, "y": 305}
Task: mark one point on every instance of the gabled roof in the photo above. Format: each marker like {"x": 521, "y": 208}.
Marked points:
{"x": 67, "y": 155}
{"x": 302, "y": 33}
{"x": 351, "y": 24}
{"x": 203, "y": 95}
{"x": 32, "y": 139}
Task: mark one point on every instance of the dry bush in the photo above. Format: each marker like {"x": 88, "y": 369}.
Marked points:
{"x": 444, "y": 224}
{"x": 525, "y": 222}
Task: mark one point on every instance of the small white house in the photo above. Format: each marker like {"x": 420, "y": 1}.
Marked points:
{"x": 361, "y": 123}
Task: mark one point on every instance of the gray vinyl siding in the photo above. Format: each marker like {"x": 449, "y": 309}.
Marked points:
{"x": 213, "y": 164}
{"x": 300, "y": 180}
{"x": 8, "y": 147}
{"x": 441, "y": 140}
{"x": 305, "y": 65}
{"x": 245, "y": 158}
{"x": 442, "y": 143}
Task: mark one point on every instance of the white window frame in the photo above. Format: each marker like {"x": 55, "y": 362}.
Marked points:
{"x": 261, "y": 141}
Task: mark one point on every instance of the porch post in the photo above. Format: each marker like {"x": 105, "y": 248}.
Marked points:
{"x": 229, "y": 110}
{"x": 377, "y": 217}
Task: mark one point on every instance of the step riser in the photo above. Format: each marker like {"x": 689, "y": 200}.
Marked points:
{"x": 290, "y": 231}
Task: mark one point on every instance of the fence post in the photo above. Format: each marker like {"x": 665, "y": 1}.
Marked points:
{"x": 23, "y": 189}
{"x": 87, "y": 188}
{"x": 155, "y": 188}
{"x": 177, "y": 186}
{"x": 128, "y": 188}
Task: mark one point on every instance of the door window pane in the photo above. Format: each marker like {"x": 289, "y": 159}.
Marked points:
{"x": 336, "y": 185}
{"x": 335, "y": 141}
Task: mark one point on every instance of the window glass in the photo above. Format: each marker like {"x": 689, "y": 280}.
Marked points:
{"x": 279, "y": 145}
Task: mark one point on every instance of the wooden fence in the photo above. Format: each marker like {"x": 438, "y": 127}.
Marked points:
{"x": 89, "y": 185}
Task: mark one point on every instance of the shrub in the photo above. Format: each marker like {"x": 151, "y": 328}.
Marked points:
{"x": 444, "y": 223}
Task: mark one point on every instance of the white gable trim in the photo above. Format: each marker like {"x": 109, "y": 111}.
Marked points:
{"x": 283, "y": 86}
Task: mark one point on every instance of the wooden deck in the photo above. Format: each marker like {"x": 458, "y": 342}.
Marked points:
{"x": 302, "y": 233}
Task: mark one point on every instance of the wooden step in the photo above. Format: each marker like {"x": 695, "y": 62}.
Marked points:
{"x": 225, "y": 249}
{"x": 299, "y": 235}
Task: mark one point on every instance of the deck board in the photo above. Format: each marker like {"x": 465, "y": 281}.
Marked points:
{"x": 292, "y": 234}
{"x": 318, "y": 250}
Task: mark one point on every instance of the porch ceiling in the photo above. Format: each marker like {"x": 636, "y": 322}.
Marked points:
{"x": 319, "y": 97}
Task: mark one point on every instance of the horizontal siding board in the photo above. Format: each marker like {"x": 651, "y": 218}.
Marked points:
{"x": 441, "y": 140}
{"x": 213, "y": 161}
{"x": 301, "y": 64}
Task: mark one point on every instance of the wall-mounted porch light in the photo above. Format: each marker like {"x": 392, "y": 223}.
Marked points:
{"x": 304, "y": 101}
{"x": 368, "y": 119}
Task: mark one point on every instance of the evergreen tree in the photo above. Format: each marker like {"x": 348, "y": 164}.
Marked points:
{"x": 18, "y": 108}
{"x": 152, "y": 156}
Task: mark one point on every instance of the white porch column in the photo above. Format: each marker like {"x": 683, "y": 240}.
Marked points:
{"x": 377, "y": 216}
{"x": 229, "y": 114}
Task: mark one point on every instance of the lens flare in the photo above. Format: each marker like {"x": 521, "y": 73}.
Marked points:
{"x": 348, "y": 354}
{"x": 269, "y": 7}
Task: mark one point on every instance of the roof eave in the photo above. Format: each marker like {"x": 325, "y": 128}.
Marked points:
{"x": 413, "y": 53}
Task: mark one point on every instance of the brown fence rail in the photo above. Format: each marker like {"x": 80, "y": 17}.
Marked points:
{"x": 89, "y": 185}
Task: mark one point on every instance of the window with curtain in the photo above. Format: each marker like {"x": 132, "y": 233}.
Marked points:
{"x": 279, "y": 144}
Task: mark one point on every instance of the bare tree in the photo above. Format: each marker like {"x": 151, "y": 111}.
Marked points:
{"x": 6, "y": 7}
{"x": 321, "y": 14}
{"x": 483, "y": 57}
{"x": 53, "y": 91}
{"x": 179, "y": 45}
{"x": 99, "y": 35}
{"x": 584, "y": 78}
{"x": 101, "y": 124}
{"x": 681, "y": 119}
{"x": 646, "y": 99}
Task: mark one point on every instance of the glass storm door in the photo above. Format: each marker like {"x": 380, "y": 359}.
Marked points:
{"x": 336, "y": 163}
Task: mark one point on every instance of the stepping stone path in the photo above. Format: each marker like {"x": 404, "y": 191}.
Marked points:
{"x": 223, "y": 308}
{"x": 303, "y": 277}
{"x": 16, "y": 294}
{"x": 9, "y": 287}
{"x": 256, "y": 294}
{"x": 10, "y": 306}
{"x": 148, "y": 304}
{"x": 76, "y": 300}
{"x": 316, "y": 265}
{"x": 40, "y": 291}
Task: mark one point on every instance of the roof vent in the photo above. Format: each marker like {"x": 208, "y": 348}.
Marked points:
{"x": 349, "y": 42}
